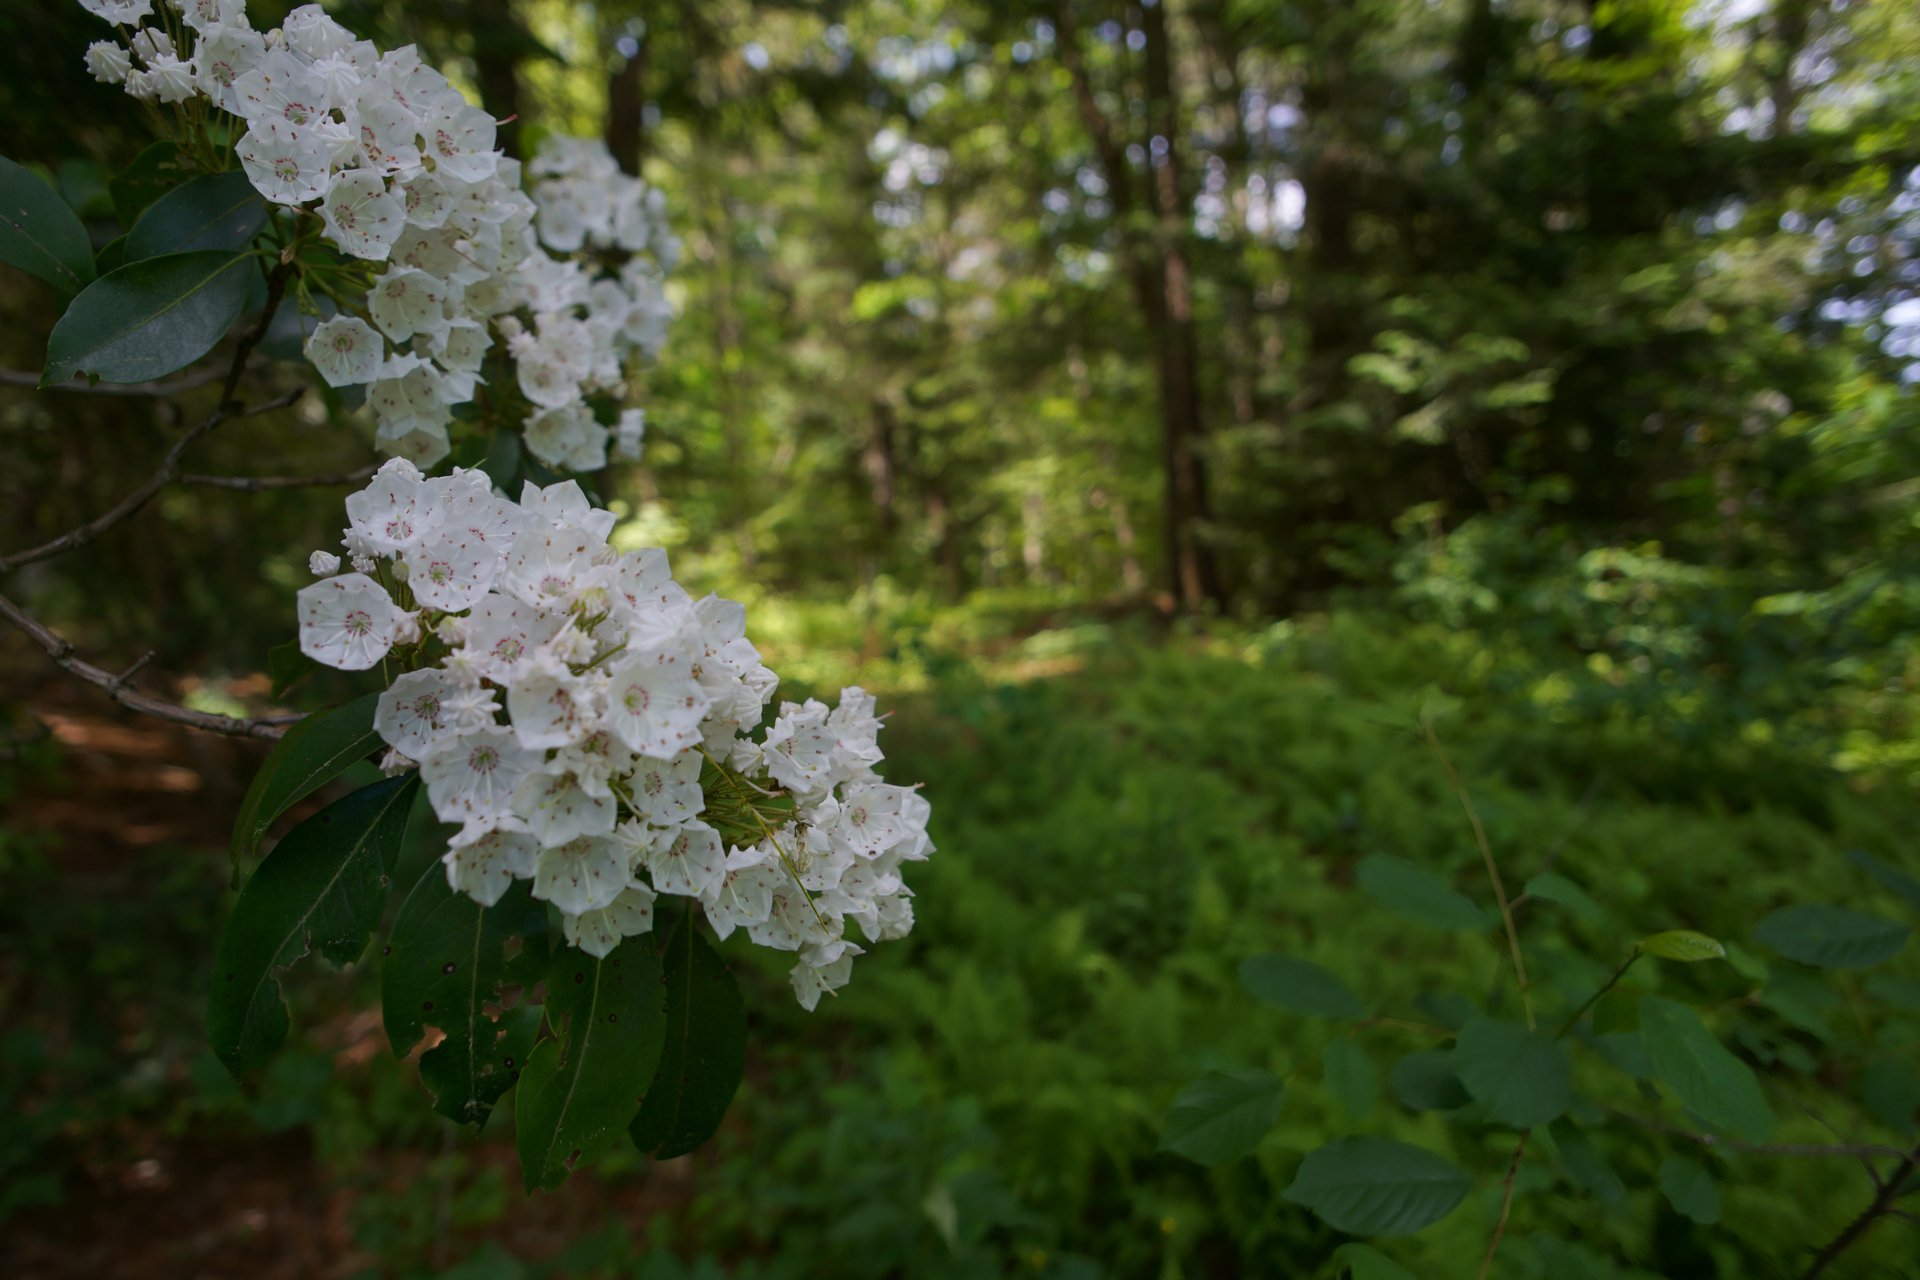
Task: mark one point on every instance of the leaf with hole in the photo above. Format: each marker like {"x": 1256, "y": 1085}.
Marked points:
{"x": 1222, "y": 1115}
{"x": 705, "y": 1050}
{"x": 40, "y": 233}
{"x": 1377, "y": 1187}
{"x": 212, "y": 211}
{"x": 321, "y": 889}
{"x": 1683, "y": 946}
{"x": 1299, "y": 986}
{"x": 313, "y": 752}
{"x": 1417, "y": 894}
{"x": 1829, "y": 937}
{"x": 1522, "y": 1076}
{"x": 583, "y": 1084}
{"x": 1703, "y": 1074}
{"x": 149, "y": 318}
{"x": 444, "y": 968}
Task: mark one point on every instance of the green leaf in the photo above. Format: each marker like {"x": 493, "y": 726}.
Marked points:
{"x": 1703, "y": 1074}
{"x": 1552, "y": 887}
{"x": 582, "y": 1086}
{"x": 1364, "y": 1262}
{"x": 1683, "y": 945}
{"x": 445, "y": 962}
{"x": 1222, "y": 1115}
{"x": 1892, "y": 877}
{"x": 705, "y": 1052}
{"x": 1689, "y": 1188}
{"x": 149, "y": 318}
{"x": 212, "y": 211}
{"x": 40, "y": 233}
{"x": 1377, "y": 1187}
{"x": 1351, "y": 1077}
{"x": 1828, "y": 937}
{"x": 1522, "y": 1076}
{"x": 1890, "y": 1088}
{"x": 321, "y": 889}
{"x": 1586, "y": 1168}
{"x": 287, "y": 666}
{"x": 315, "y": 751}
{"x": 1424, "y": 1080}
{"x": 1417, "y": 894}
{"x": 153, "y": 172}
{"x": 1299, "y": 986}
{"x": 111, "y": 257}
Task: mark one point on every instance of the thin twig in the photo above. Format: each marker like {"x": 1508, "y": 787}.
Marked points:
{"x": 1459, "y": 788}
{"x": 256, "y": 484}
{"x": 125, "y": 678}
{"x": 148, "y": 390}
{"x": 1811, "y": 1150}
{"x": 1506, "y": 1202}
{"x": 61, "y": 651}
{"x": 1880, "y": 1206}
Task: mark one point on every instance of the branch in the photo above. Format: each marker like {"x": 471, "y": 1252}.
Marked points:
{"x": 255, "y": 484}
{"x": 157, "y": 390}
{"x": 1879, "y": 1207}
{"x": 1506, "y": 1202}
{"x": 79, "y": 537}
{"x": 1812, "y": 1150}
{"x": 119, "y": 688}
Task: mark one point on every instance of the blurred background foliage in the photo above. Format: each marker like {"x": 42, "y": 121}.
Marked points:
{"x": 1155, "y": 401}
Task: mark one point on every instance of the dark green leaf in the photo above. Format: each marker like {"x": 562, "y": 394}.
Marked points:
{"x": 582, "y": 1086}
{"x": 153, "y": 172}
{"x": 212, "y": 211}
{"x": 112, "y": 256}
{"x": 502, "y": 463}
{"x": 1830, "y": 937}
{"x": 1890, "y": 1088}
{"x": 321, "y": 889}
{"x": 705, "y": 1052}
{"x": 1414, "y": 892}
{"x": 444, "y": 966}
{"x": 1586, "y": 1168}
{"x": 1364, "y": 1262}
{"x": 1683, "y": 945}
{"x": 1522, "y": 1076}
{"x": 1425, "y": 1081}
{"x": 1222, "y": 1115}
{"x": 1707, "y": 1079}
{"x": 40, "y": 233}
{"x": 1299, "y": 986}
{"x": 1892, "y": 877}
{"x": 149, "y": 318}
{"x": 287, "y": 666}
{"x": 1689, "y": 1188}
{"x": 1377, "y": 1187}
{"x": 1352, "y": 1078}
{"x": 1552, "y": 887}
{"x": 315, "y": 751}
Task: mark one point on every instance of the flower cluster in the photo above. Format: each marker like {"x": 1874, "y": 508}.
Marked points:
{"x": 399, "y": 169}
{"x": 590, "y": 726}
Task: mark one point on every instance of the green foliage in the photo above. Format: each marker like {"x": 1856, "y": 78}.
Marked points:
{"x": 1683, "y": 946}
{"x": 313, "y": 752}
{"x": 1298, "y": 986}
{"x": 1689, "y": 1188}
{"x": 1707, "y": 1079}
{"x": 1412, "y": 891}
{"x": 149, "y": 318}
{"x": 1522, "y": 1077}
{"x": 215, "y": 211}
{"x": 322, "y": 888}
{"x": 1377, "y": 1187}
{"x": 39, "y": 232}
{"x": 704, "y": 1051}
{"x": 1830, "y": 937}
{"x": 1222, "y": 1115}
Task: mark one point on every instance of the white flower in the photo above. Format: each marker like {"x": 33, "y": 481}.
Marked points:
{"x": 565, "y": 503}
{"x": 347, "y": 622}
{"x": 556, "y": 808}
{"x": 687, "y": 860}
{"x": 451, "y": 568}
{"x": 122, "y": 12}
{"x": 811, "y": 981}
{"x": 502, "y": 634}
{"x": 743, "y": 896}
{"x": 406, "y": 301}
{"x": 485, "y": 868}
{"x": 667, "y": 792}
{"x": 205, "y": 15}
{"x": 471, "y": 777}
{"x": 598, "y": 932}
{"x": 396, "y": 510}
{"x": 346, "y": 351}
{"x": 460, "y": 139}
{"x": 107, "y": 62}
{"x": 654, "y": 704}
{"x": 567, "y": 438}
{"x": 322, "y": 564}
{"x": 554, "y": 568}
{"x": 224, "y": 54}
{"x": 550, "y": 706}
{"x": 581, "y": 875}
{"x": 362, "y": 217}
{"x": 284, "y": 165}
{"x": 412, "y": 715}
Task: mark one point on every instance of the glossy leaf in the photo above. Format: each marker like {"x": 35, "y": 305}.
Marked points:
{"x": 40, "y": 233}
{"x": 1377, "y": 1187}
{"x": 1351, "y": 1077}
{"x": 444, "y": 966}
{"x": 153, "y": 173}
{"x": 1703, "y": 1074}
{"x": 1222, "y": 1115}
{"x": 1683, "y": 946}
{"x": 315, "y": 751}
{"x": 1689, "y": 1188}
{"x": 1829, "y": 937}
{"x": 705, "y": 1050}
{"x": 1414, "y": 892}
{"x": 321, "y": 889}
{"x": 582, "y": 1085}
{"x": 1299, "y": 986}
{"x": 212, "y": 211}
{"x": 1522, "y": 1076}
{"x": 149, "y": 318}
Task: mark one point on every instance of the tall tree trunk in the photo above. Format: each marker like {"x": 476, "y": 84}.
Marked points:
{"x": 626, "y": 102}
{"x": 498, "y": 45}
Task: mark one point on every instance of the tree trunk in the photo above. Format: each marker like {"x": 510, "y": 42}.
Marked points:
{"x": 497, "y": 47}
{"x": 626, "y": 101}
